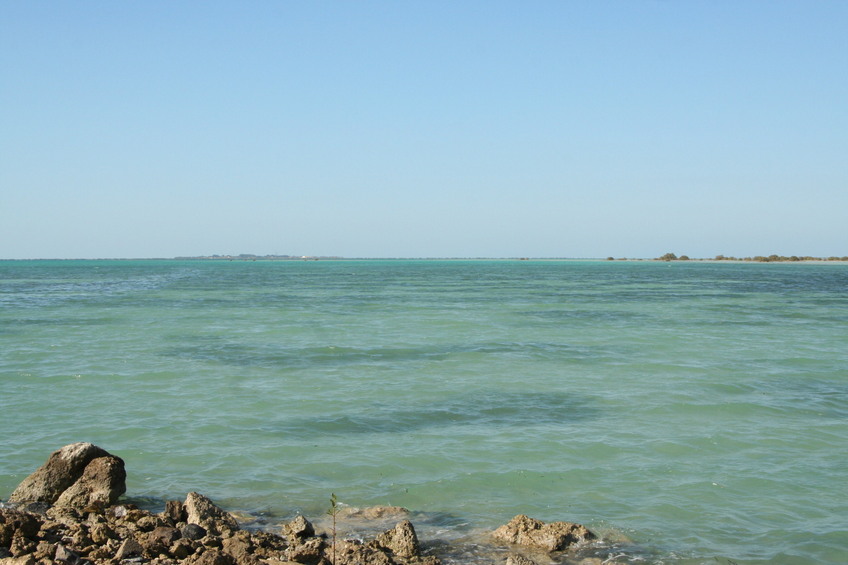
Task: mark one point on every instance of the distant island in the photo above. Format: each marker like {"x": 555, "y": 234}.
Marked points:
{"x": 666, "y": 257}
{"x": 251, "y": 257}
{"x": 755, "y": 259}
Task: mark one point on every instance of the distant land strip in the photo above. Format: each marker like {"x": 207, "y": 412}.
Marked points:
{"x": 251, "y": 257}
{"x": 666, "y": 257}
{"x": 755, "y": 259}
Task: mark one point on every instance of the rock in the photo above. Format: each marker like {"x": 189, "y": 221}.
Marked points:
{"x": 175, "y": 511}
{"x": 298, "y": 529}
{"x": 519, "y": 560}
{"x": 65, "y": 555}
{"x": 400, "y": 540}
{"x": 203, "y": 512}
{"x": 24, "y": 560}
{"x": 13, "y": 521}
{"x": 554, "y": 536}
{"x": 309, "y": 552}
{"x": 375, "y": 512}
{"x": 181, "y": 548}
{"x": 102, "y": 533}
{"x": 210, "y": 557}
{"x": 241, "y": 547}
{"x": 21, "y": 544}
{"x": 62, "y": 469}
{"x": 103, "y": 480}
{"x": 354, "y": 552}
{"x": 193, "y": 532}
{"x": 160, "y": 540}
{"x": 129, "y": 548}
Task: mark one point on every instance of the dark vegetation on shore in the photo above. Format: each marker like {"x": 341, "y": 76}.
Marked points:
{"x": 755, "y": 259}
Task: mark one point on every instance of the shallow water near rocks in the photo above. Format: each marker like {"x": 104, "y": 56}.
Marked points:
{"x": 689, "y": 412}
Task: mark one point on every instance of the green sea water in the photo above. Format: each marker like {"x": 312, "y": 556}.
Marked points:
{"x": 688, "y": 412}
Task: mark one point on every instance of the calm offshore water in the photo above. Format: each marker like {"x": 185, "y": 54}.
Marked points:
{"x": 689, "y": 412}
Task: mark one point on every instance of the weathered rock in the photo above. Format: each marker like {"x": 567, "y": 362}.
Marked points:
{"x": 159, "y": 541}
{"x": 23, "y": 560}
{"x": 210, "y": 557}
{"x": 554, "y": 536}
{"x": 64, "y": 555}
{"x": 241, "y": 547}
{"x": 21, "y": 544}
{"x": 129, "y": 548}
{"x": 400, "y": 540}
{"x": 203, "y": 512}
{"x": 298, "y": 529}
{"x": 268, "y": 544}
{"x": 62, "y": 469}
{"x": 309, "y": 552}
{"x": 375, "y": 512}
{"x": 103, "y": 480}
{"x": 354, "y": 552}
{"x": 12, "y": 521}
{"x": 181, "y": 548}
{"x": 175, "y": 511}
{"x": 102, "y": 533}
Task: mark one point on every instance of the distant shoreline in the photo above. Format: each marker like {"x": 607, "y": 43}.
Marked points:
{"x": 281, "y": 258}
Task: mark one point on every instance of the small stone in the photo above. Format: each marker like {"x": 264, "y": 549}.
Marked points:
{"x": 193, "y": 532}
{"x": 65, "y": 555}
{"x": 129, "y": 548}
{"x": 181, "y": 548}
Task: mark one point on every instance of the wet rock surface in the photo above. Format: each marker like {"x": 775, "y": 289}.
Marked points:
{"x": 66, "y": 513}
{"x": 554, "y": 536}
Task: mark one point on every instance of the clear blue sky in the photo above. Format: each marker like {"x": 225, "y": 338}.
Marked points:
{"x": 423, "y": 129}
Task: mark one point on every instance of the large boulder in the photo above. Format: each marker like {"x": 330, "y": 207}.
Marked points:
{"x": 102, "y": 482}
{"x": 554, "y": 536}
{"x": 67, "y": 469}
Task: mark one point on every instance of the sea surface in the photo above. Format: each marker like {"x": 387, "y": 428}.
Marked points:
{"x": 688, "y": 412}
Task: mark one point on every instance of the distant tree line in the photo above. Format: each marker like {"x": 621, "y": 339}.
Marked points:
{"x": 756, "y": 258}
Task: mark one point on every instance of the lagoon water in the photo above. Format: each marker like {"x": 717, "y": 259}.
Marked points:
{"x": 689, "y": 412}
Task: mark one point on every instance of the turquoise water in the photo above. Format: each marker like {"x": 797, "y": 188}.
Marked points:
{"x": 689, "y": 412}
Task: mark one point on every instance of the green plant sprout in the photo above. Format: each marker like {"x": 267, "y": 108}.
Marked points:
{"x": 333, "y": 511}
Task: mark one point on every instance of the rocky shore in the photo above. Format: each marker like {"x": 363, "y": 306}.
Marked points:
{"x": 69, "y": 511}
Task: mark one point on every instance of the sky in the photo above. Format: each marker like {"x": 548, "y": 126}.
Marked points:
{"x": 423, "y": 129}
